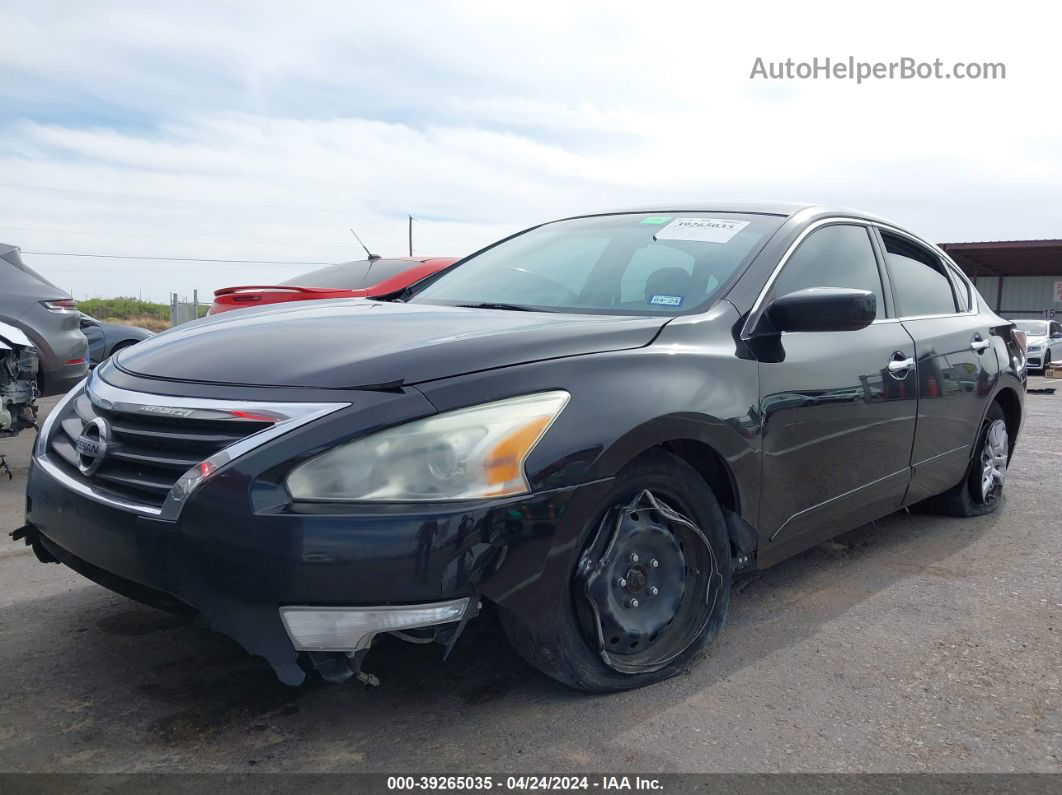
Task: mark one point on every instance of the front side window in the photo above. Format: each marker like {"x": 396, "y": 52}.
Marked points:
{"x": 625, "y": 264}
{"x": 919, "y": 281}
{"x": 834, "y": 256}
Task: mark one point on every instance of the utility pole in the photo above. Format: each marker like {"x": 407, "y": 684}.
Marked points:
{"x": 411, "y": 235}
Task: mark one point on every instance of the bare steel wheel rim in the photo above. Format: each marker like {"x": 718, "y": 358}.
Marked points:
{"x": 994, "y": 461}
{"x": 650, "y": 580}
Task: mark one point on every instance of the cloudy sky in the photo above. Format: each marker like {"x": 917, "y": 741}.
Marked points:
{"x": 262, "y": 132}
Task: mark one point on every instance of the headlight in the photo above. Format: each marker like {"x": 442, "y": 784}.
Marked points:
{"x": 470, "y": 453}
{"x": 1035, "y": 348}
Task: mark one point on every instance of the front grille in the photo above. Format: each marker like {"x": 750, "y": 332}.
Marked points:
{"x": 146, "y": 453}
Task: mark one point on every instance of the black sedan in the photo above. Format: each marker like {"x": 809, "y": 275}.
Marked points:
{"x": 106, "y": 339}
{"x": 591, "y": 426}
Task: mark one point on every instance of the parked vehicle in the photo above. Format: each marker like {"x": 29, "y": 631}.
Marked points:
{"x": 359, "y": 279}
{"x": 1041, "y": 336}
{"x": 592, "y": 425}
{"x": 18, "y": 384}
{"x": 48, "y": 316}
{"x": 106, "y": 339}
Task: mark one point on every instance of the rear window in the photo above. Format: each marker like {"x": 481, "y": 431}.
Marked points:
{"x": 352, "y": 275}
{"x": 630, "y": 263}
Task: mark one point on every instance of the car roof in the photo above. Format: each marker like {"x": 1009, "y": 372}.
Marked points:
{"x": 785, "y": 209}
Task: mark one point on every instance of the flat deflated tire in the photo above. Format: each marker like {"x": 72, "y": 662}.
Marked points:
{"x": 650, "y": 588}
{"x": 981, "y": 489}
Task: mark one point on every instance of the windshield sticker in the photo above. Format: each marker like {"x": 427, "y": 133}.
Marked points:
{"x": 702, "y": 230}
{"x": 656, "y": 219}
{"x": 666, "y": 300}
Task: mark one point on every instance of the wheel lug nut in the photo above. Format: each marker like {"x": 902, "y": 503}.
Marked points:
{"x": 654, "y": 563}
{"x": 634, "y": 557}
{"x": 632, "y": 603}
{"x": 622, "y": 583}
{"x": 653, "y": 591}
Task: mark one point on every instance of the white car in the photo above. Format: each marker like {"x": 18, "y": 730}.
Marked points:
{"x": 1044, "y": 341}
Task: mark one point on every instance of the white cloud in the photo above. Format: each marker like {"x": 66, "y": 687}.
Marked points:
{"x": 270, "y": 131}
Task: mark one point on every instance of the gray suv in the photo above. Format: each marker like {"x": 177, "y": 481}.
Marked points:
{"x": 49, "y": 317}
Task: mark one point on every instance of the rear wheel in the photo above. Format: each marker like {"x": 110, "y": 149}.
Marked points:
{"x": 651, "y": 585}
{"x": 981, "y": 489}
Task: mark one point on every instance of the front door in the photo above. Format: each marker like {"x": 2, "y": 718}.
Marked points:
{"x": 838, "y": 410}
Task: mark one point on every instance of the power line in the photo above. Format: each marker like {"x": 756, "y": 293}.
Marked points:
{"x": 140, "y": 196}
{"x": 175, "y": 259}
{"x": 449, "y": 226}
{"x": 143, "y": 197}
{"x": 171, "y": 237}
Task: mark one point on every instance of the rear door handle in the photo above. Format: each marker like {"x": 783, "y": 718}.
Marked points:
{"x": 979, "y": 344}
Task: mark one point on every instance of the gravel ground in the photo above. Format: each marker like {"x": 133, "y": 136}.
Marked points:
{"x": 913, "y": 644}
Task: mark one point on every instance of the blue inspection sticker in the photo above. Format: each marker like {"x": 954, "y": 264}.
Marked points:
{"x": 666, "y": 300}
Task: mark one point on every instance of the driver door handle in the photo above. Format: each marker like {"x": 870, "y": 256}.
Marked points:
{"x": 899, "y": 367}
{"x": 979, "y": 344}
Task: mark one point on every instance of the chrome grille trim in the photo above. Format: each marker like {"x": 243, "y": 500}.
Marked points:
{"x": 288, "y": 416}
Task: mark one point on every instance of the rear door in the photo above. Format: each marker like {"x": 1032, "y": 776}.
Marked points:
{"x": 837, "y": 408}
{"x": 956, "y": 363}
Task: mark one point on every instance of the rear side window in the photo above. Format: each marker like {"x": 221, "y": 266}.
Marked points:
{"x": 834, "y": 256}
{"x": 919, "y": 281}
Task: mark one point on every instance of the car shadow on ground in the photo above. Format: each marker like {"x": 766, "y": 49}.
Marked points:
{"x": 176, "y": 684}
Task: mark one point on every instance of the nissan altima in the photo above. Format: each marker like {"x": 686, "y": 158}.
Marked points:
{"x": 590, "y": 427}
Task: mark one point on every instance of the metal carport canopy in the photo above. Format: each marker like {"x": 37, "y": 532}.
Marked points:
{"x": 1007, "y": 257}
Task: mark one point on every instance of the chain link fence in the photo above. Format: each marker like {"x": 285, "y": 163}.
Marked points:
{"x": 182, "y": 310}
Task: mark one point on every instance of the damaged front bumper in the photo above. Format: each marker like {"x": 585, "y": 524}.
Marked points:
{"x": 309, "y": 587}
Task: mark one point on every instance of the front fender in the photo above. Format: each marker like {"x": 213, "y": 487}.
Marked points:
{"x": 687, "y": 385}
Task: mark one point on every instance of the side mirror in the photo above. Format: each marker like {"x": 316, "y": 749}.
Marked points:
{"x": 1057, "y": 335}
{"x": 823, "y": 309}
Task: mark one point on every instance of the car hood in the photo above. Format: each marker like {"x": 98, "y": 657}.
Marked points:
{"x": 351, "y": 343}
{"x": 1038, "y": 340}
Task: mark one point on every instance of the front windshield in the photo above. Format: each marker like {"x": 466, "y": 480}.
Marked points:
{"x": 632, "y": 263}
{"x": 1034, "y": 328}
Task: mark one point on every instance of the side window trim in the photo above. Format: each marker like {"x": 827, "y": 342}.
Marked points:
{"x": 891, "y": 311}
{"x": 960, "y": 289}
{"x": 945, "y": 266}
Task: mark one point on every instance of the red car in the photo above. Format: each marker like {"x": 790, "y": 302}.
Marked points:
{"x": 359, "y": 279}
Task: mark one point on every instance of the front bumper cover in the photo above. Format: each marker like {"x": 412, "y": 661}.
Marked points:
{"x": 238, "y": 567}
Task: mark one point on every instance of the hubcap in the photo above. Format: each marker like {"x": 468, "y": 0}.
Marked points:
{"x": 994, "y": 461}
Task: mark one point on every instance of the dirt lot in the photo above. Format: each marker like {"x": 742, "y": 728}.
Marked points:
{"x": 916, "y": 643}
